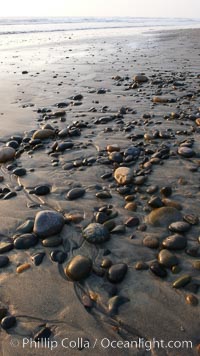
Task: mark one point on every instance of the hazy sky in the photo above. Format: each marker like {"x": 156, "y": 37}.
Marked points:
{"x": 152, "y": 8}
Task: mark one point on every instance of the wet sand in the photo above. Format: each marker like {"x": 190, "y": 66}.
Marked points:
{"x": 164, "y": 151}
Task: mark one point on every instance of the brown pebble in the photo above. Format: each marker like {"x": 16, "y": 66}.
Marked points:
{"x": 131, "y": 222}
{"x": 106, "y": 263}
{"x": 113, "y": 148}
{"x": 191, "y": 299}
{"x": 196, "y": 265}
{"x": 74, "y": 217}
{"x": 130, "y": 197}
{"x": 198, "y": 122}
{"x": 131, "y": 206}
{"x": 141, "y": 266}
{"x": 176, "y": 269}
{"x": 159, "y": 99}
{"x": 23, "y": 267}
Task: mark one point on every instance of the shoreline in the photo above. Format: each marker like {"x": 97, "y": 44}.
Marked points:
{"x": 111, "y": 120}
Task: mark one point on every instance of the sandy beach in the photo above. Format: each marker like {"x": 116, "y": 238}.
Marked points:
{"x": 100, "y": 158}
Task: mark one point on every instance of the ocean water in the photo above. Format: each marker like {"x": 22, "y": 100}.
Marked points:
{"x": 13, "y": 26}
{"x": 24, "y": 33}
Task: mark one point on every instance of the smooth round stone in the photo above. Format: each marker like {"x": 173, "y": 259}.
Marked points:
{"x": 140, "y": 180}
{"x": 104, "y": 194}
{"x": 63, "y": 133}
{"x": 101, "y": 217}
{"x": 6, "y": 154}
{"x": 96, "y": 233}
{"x": 58, "y": 256}
{"x": 79, "y": 268}
{"x": 141, "y": 266}
{"x": 110, "y": 225}
{"x": 186, "y": 152}
{"x": 175, "y": 242}
{"x": 123, "y": 175}
{"x": 155, "y": 202}
{"x": 43, "y": 134}
{"x": 52, "y": 241}
{"x": 14, "y": 144}
{"x": 166, "y": 191}
{"x": 4, "y": 261}
{"x": 35, "y": 142}
{"x": 116, "y": 157}
{"x": 106, "y": 263}
{"x": 48, "y": 223}
{"x": 113, "y": 148}
{"x": 191, "y": 299}
{"x": 6, "y": 246}
{"x": 132, "y": 151}
{"x": 117, "y": 272}
{"x": 42, "y": 190}
{"x": 132, "y": 221}
{"x": 76, "y": 218}
{"x": 152, "y": 189}
{"x": 151, "y": 242}
{"x": 176, "y": 269}
{"x": 78, "y": 97}
{"x": 10, "y": 195}
{"x": 64, "y": 146}
{"x": 182, "y": 281}
{"x": 131, "y": 206}
{"x": 129, "y": 197}
{"x": 160, "y": 99}
{"x": 167, "y": 259}
{"x": 163, "y": 216}
{"x": 38, "y": 258}
{"x": 19, "y": 172}
{"x": 75, "y": 193}
{"x": 191, "y": 219}
{"x": 25, "y": 241}
{"x": 8, "y": 322}
{"x": 26, "y": 227}
{"x": 158, "y": 269}
{"x": 140, "y": 78}
{"x": 123, "y": 190}
{"x": 179, "y": 226}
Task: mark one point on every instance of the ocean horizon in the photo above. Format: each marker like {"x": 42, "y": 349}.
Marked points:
{"x": 22, "y": 25}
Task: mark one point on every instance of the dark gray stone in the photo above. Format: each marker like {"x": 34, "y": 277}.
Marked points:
{"x": 8, "y": 322}
{"x": 175, "y": 242}
{"x": 42, "y": 190}
{"x": 96, "y": 233}
{"x": 4, "y": 261}
{"x": 75, "y": 193}
{"x": 48, "y": 223}
{"x": 117, "y": 272}
{"x": 79, "y": 268}
{"x": 179, "y": 226}
{"x": 25, "y": 241}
